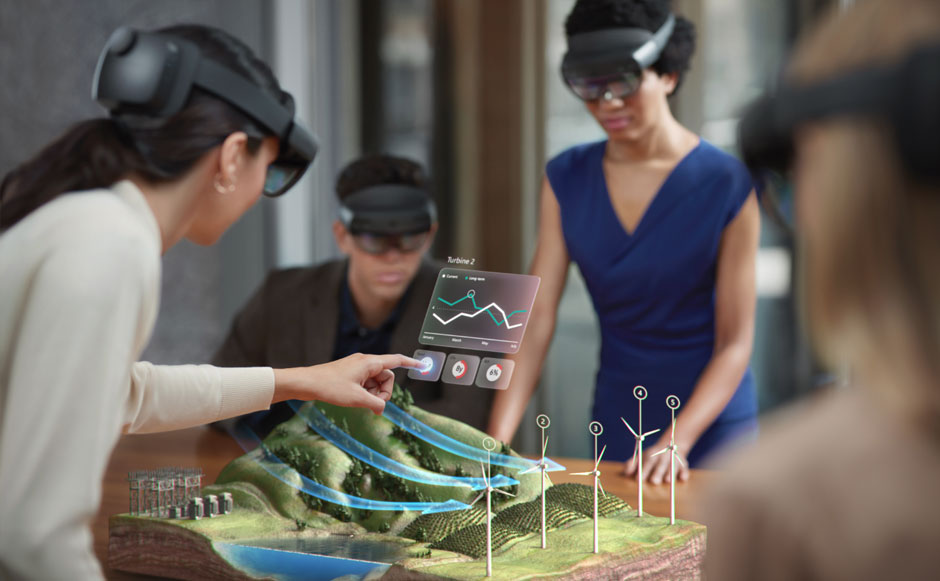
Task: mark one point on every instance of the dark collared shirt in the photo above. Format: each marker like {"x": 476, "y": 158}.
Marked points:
{"x": 353, "y": 337}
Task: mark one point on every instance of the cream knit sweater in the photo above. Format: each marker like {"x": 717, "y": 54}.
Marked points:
{"x": 79, "y": 289}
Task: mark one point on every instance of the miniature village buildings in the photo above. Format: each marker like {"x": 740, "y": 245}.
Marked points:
{"x": 174, "y": 492}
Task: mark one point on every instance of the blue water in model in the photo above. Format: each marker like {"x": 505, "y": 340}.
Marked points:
{"x": 323, "y": 558}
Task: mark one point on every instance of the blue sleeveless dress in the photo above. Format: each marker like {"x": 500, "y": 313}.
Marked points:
{"x": 654, "y": 289}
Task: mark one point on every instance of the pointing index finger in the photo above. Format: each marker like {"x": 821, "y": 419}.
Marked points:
{"x": 395, "y": 360}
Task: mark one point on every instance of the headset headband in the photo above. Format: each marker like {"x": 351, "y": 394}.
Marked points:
{"x": 906, "y": 94}
{"x": 152, "y": 74}
{"x": 609, "y": 44}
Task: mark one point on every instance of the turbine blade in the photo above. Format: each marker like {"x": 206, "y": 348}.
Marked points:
{"x": 635, "y": 435}
{"x": 503, "y": 492}
{"x": 651, "y": 432}
{"x": 661, "y": 451}
{"x": 635, "y": 450}
{"x": 479, "y": 496}
{"x": 531, "y": 469}
{"x": 598, "y": 461}
{"x": 483, "y": 470}
{"x": 545, "y": 446}
{"x": 582, "y": 473}
{"x": 678, "y": 458}
{"x": 601, "y": 486}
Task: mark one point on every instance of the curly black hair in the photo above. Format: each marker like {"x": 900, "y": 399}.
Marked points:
{"x": 591, "y": 15}
{"x": 379, "y": 169}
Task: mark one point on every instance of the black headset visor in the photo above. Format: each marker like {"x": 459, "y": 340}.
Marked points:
{"x": 152, "y": 74}
{"x": 610, "y": 62}
{"x": 388, "y": 210}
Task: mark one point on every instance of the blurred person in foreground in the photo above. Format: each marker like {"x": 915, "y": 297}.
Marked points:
{"x": 370, "y": 300}
{"x": 843, "y": 487}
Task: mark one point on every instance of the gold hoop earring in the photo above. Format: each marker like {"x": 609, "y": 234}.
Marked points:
{"x": 217, "y": 184}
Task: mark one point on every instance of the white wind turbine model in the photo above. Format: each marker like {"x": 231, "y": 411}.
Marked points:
{"x": 639, "y": 392}
{"x": 543, "y": 422}
{"x": 673, "y": 403}
{"x": 596, "y": 429}
{"x": 489, "y": 444}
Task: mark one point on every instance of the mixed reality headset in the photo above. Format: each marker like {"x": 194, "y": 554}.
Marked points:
{"x": 609, "y": 63}
{"x": 152, "y": 74}
{"x": 389, "y": 214}
{"x": 905, "y": 94}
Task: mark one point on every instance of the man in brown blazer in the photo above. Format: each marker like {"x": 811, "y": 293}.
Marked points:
{"x": 372, "y": 301}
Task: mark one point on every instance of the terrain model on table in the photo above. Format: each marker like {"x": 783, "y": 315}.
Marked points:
{"x": 344, "y": 492}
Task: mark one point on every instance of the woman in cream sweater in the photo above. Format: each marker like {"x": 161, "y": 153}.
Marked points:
{"x": 82, "y": 228}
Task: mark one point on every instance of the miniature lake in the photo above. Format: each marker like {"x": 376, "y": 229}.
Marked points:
{"x": 320, "y": 558}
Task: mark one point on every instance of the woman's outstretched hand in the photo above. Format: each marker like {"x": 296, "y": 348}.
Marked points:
{"x": 355, "y": 381}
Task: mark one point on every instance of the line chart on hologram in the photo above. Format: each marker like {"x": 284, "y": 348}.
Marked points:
{"x": 486, "y": 311}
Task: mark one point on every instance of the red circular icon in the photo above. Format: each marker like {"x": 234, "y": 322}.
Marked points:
{"x": 459, "y": 369}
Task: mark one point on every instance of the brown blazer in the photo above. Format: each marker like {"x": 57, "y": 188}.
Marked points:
{"x": 291, "y": 321}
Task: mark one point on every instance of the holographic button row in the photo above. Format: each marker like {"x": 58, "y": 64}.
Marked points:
{"x": 463, "y": 369}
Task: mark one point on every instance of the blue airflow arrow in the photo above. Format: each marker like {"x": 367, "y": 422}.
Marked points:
{"x": 322, "y": 425}
{"x": 247, "y": 439}
{"x": 410, "y": 424}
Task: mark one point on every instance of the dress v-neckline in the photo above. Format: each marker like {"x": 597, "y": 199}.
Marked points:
{"x": 649, "y": 206}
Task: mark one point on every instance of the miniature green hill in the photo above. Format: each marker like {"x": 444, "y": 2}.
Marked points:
{"x": 301, "y": 448}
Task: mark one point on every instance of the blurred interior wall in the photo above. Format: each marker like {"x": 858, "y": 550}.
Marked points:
{"x": 314, "y": 50}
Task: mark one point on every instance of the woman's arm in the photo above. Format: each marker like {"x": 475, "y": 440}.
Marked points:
{"x": 735, "y": 300}
{"x": 171, "y": 397}
{"x": 551, "y": 264}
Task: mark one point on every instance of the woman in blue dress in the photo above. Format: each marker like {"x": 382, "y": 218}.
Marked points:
{"x": 664, "y": 229}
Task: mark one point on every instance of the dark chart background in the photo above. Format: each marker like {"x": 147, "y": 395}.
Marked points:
{"x": 486, "y": 311}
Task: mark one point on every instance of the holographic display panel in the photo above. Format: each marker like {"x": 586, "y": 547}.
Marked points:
{"x": 484, "y": 311}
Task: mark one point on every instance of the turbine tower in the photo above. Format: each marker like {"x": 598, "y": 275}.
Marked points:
{"x": 640, "y": 393}
{"x": 673, "y": 403}
{"x": 596, "y": 429}
{"x": 543, "y": 422}
{"x": 490, "y": 445}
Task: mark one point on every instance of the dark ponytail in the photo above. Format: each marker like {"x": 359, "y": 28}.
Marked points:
{"x": 99, "y": 152}
{"x": 89, "y": 155}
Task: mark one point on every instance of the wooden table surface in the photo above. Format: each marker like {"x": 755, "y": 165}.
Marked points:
{"x": 212, "y": 450}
